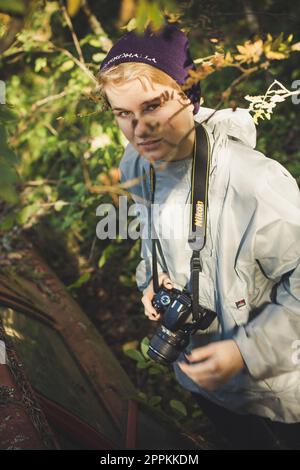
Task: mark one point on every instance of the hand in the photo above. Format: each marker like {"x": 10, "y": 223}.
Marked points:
{"x": 219, "y": 361}
{"x": 148, "y": 294}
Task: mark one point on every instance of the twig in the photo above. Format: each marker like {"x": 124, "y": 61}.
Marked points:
{"x": 228, "y": 91}
{"x": 48, "y": 99}
{"x": 75, "y": 39}
{"x": 95, "y": 25}
{"x": 40, "y": 182}
{"x": 51, "y": 129}
{"x": 81, "y": 65}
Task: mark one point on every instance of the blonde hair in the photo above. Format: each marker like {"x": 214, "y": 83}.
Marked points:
{"x": 127, "y": 71}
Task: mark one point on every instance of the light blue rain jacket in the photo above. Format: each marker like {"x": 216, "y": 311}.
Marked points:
{"x": 251, "y": 261}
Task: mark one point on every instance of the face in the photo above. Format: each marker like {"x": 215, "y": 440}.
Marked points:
{"x": 155, "y": 119}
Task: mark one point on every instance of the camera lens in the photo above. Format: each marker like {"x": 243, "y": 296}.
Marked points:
{"x": 165, "y": 346}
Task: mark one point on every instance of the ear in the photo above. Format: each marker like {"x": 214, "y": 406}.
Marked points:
{"x": 185, "y": 101}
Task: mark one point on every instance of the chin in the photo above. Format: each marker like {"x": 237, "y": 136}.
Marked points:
{"x": 154, "y": 156}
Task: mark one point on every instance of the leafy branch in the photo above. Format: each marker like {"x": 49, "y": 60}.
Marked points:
{"x": 262, "y": 106}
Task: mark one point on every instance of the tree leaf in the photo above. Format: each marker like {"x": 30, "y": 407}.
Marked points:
{"x": 80, "y": 281}
{"x": 7, "y": 114}
{"x": 24, "y": 215}
{"x": 73, "y": 6}
{"x": 67, "y": 65}
{"x": 59, "y": 205}
{"x": 135, "y": 355}
{"x": 296, "y": 46}
{"x": 8, "y": 194}
{"x": 178, "y": 406}
{"x": 107, "y": 252}
{"x": 154, "y": 401}
{"x": 145, "y": 346}
{"x": 98, "y": 57}
{"x": 16, "y": 7}
{"x": 142, "y": 365}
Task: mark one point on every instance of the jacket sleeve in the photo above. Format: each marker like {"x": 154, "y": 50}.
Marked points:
{"x": 269, "y": 342}
{"x": 130, "y": 169}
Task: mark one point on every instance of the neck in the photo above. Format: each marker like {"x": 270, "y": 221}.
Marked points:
{"x": 186, "y": 148}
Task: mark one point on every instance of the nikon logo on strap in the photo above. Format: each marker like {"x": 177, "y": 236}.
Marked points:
{"x": 199, "y": 215}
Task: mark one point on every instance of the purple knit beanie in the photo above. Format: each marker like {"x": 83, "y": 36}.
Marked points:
{"x": 167, "y": 50}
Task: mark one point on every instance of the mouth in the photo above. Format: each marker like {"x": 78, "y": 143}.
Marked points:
{"x": 150, "y": 144}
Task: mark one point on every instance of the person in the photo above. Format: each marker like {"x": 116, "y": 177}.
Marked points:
{"x": 244, "y": 368}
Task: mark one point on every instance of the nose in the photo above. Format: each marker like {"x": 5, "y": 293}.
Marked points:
{"x": 143, "y": 128}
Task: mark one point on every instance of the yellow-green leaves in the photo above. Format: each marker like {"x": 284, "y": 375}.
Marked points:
{"x": 147, "y": 12}
{"x": 249, "y": 52}
{"x": 272, "y": 49}
{"x": 13, "y": 7}
{"x": 73, "y": 6}
{"x": 8, "y": 159}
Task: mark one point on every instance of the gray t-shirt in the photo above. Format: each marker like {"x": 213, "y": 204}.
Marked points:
{"x": 171, "y": 217}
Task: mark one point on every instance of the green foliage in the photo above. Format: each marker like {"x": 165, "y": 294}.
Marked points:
{"x": 8, "y": 158}
{"x": 83, "y": 279}
{"x": 14, "y": 7}
{"x": 161, "y": 379}
{"x": 179, "y": 407}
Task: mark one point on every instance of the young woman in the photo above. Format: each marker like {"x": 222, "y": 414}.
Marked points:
{"x": 244, "y": 368}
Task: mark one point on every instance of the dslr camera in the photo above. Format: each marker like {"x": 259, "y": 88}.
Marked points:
{"x": 173, "y": 334}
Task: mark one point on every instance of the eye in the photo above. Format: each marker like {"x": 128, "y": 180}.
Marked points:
{"x": 123, "y": 114}
{"x": 153, "y": 106}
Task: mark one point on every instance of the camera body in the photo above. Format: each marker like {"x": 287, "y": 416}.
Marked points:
{"x": 173, "y": 334}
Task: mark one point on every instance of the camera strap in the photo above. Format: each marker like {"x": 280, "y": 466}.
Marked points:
{"x": 198, "y": 220}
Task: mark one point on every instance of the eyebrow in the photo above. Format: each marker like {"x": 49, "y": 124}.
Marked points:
{"x": 145, "y": 102}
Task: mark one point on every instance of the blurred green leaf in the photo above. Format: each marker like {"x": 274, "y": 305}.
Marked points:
{"x": 107, "y": 252}
{"x": 178, "y": 406}
{"x": 80, "y": 281}
{"x": 145, "y": 346}
{"x": 59, "y": 205}
{"x": 67, "y": 65}
{"x": 7, "y": 114}
{"x": 7, "y": 222}
{"x": 154, "y": 401}
{"x": 13, "y": 7}
{"x": 142, "y": 365}
{"x": 24, "y": 215}
{"x": 135, "y": 355}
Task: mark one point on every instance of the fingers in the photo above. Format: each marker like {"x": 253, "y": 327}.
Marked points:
{"x": 152, "y": 316}
{"x": 163, "y": 279}
{"x": 205, "y": 374}
{"x": 199, "y": 370}
{"x": 167, "y": 283}
{"x": 199, "y": 354}
{"x": 150, "y": 311}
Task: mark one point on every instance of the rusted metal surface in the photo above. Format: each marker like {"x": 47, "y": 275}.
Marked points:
{"x": 111, "y": 383}
{"x": 22, "y": 422}
{"x": 45, "y": 299}
{"x": 82, "y": 434}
